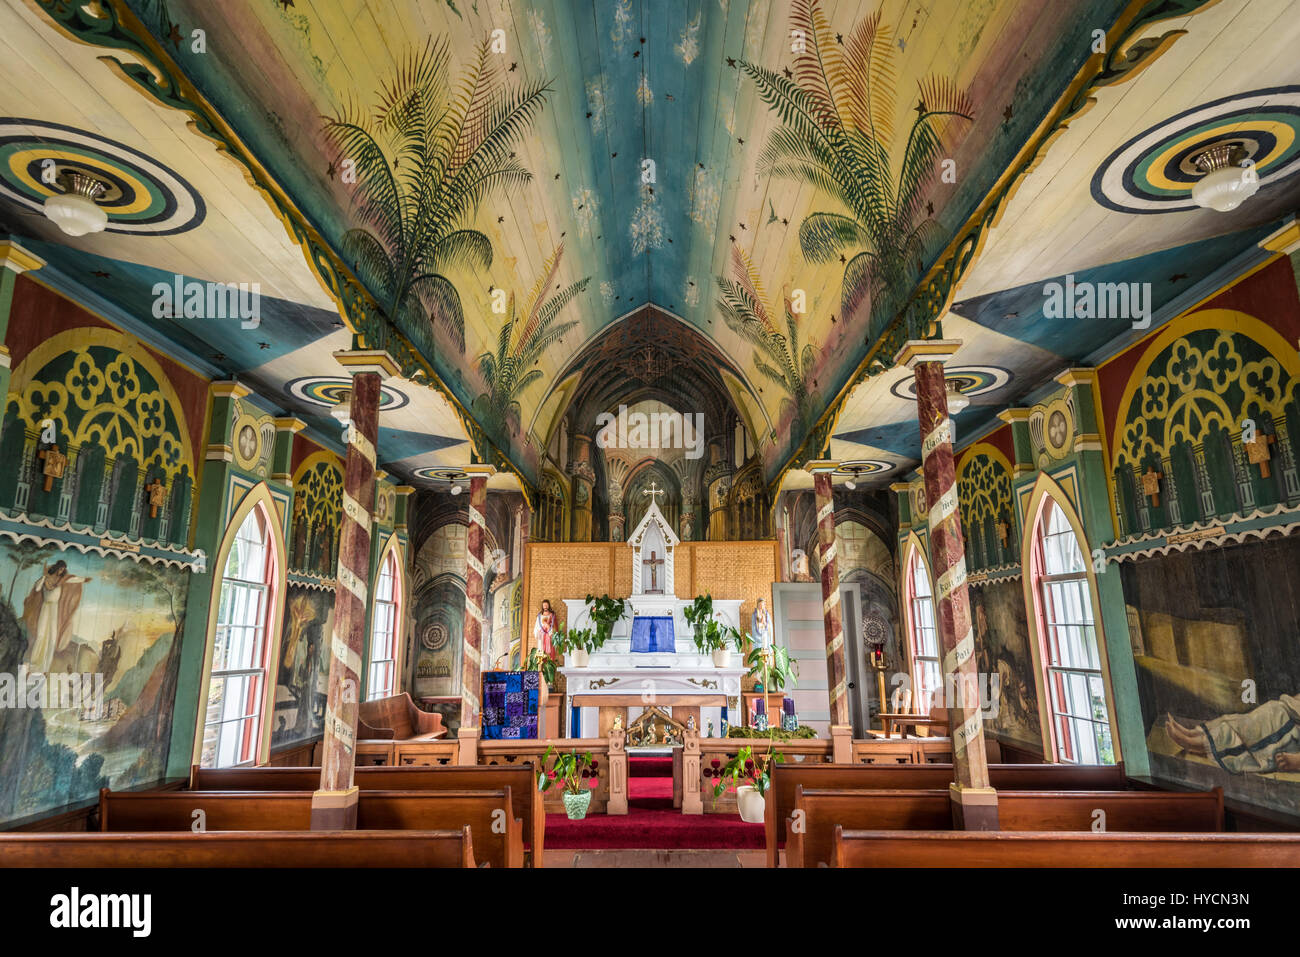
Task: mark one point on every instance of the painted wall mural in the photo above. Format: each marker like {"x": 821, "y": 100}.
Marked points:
{"x": 1183, "y": 455}
{"x": 64, "y": 612}
{"x": 302, "y": 672}
{"x": 317, "y": 505}
{"x": 99, "y": 439}
{"x": 1214, "y": 637}
{"x": 988, "y": 518}
{"x": 438, "y": 610}
{"x": 1002, "y": 649}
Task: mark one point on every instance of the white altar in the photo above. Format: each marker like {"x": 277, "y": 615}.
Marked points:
{"x": 617, "y": 675}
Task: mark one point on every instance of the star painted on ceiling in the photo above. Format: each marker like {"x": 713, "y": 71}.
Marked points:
{"x": 842, "y": 259}
{"x": 920, "y": 108}
{"x": 219, "y": 356}
{"x": 788, "y": 73}
{"x": 635, "y": 54}
{"x": 500, "y": 220}
{"x": 1007, "y": 114}
{"x": 742, "y": 225}
{"x": 731, "y": 62}
{"x": 839, "y": 38}
{"x": 785, "y": 222}
{"x": 286, "y": 4}
{"x": 101, "y": 274}
{"x": 264, "y": 345}
{"x": 929, "y": 209}
{"x": 174, "y": 34}
{"x": 740, "y": 140}
{"x": 1177, "y": 276}
{"x": 732, "y": 238}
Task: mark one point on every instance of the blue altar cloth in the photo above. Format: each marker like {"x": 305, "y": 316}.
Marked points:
{"x": 652, "y": 633}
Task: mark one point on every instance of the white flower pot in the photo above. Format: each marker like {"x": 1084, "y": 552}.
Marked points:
{"x": 721, "y": 657}
{"x": 752, "y": 804}
{"x": 580, "y": 658}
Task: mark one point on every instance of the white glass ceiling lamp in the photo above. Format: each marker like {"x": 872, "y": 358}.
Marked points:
{"x": 76, "y": 212}
{"x": 957, "y": 402}
{"x": 1226, "y": 183}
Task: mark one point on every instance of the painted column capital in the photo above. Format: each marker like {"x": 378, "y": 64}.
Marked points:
{"x": 916, "y": 351}
{"x": 357, "y": 361}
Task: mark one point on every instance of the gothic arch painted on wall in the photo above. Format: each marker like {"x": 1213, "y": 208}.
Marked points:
{"x": 1044, "y": 488}
{"x": 258, "y": 497}
{"x": 391, "y": 546}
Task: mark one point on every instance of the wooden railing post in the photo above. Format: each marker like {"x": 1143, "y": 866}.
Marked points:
{"x": 468, "y": 738}
{"x": 617, "y": 772}
{"x": 692, "y": 799}
{"x": 841, "y": 744}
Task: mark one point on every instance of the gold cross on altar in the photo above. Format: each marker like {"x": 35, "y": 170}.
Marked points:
{"x": 652, "y": 491}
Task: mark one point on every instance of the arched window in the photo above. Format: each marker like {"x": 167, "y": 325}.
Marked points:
{"x": 232, "y": 723}
{"x": 383, "y": 630}
{"x": 923, "y": 634}
{"x": 1071, "y": 659}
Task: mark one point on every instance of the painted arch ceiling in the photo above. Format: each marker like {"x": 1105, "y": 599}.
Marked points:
{"x": 633, "y": 198}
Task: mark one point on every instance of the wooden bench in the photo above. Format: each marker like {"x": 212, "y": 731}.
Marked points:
{"x": 450, "y": 848}
{"x": 396, "y": 719}
{"x": 520, "y": 778}
{"x": 497, "y": 833}
{"x": 816, "y": 814}
{"x": 1021, "y": 777}
{"x": 1061, "y": 849}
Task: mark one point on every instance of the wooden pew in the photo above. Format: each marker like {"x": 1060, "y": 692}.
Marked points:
{"x": 520, "y": 778}
{"x": 819, "y": 812}
{"x": 1004, "y": 777}
{"x": 498, "y": 837}
{"x": 498, "y": 834}
{"x": 1061, "y": 849}
{"x": 452, "y": 848}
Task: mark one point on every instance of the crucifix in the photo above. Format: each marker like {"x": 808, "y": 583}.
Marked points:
{"x": 1151, "y": 485}
{"x": 157, "y": 496}
{"x": 654, "y": 564}
{"x": 652, "y": 491}
{"x": 1258, "y": 452}
{"x": 55, "y": 464}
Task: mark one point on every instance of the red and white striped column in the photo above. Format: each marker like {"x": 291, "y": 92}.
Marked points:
{"x": 837, "y": 679}
{"x": 974, "y": 803}
{"x": 334, "y": 806}
{"x": 472, "y": 639}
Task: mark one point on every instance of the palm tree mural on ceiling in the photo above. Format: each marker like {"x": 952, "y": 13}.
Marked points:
{"x": 451, "y": 145}
{"x": 746, "y": 311}
{"x": 836, "y": 112}
{"x": 524, "y": 336}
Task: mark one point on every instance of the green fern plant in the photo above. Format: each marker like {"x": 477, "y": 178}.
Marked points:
{"x": 523, "y": 337}
{"x": 836, "y": 131}
{"x": 746, "y": 311}
{"x": 425, "y": 157}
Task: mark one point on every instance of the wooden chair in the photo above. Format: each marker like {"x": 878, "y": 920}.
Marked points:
{"x": 397, "y": 719}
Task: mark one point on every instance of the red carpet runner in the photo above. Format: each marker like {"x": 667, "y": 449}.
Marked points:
{"x": 651, "y": 822}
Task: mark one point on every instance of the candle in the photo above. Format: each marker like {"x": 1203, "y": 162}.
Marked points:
{"x": 760, "y": 706}
{"x": 787, "y": 705}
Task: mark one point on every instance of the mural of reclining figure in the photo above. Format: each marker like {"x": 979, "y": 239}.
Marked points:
{"x": 1257, "y": 742}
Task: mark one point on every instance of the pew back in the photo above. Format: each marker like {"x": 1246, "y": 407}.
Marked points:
{"x": 1047, "y": 777}
{"x": 528, "y": 804}
{"x": 498, "y": 834}
{"x": 819, "y": 812}
{"x": 1061, "y": 849}
{"x": 359, "y": 849}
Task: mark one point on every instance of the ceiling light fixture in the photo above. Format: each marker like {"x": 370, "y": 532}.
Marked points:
{"x": 75, "y": 211}
{"x": 957, "y": 402}
{"x": 1229, "y": 180}
{"x": 456, "y": 489}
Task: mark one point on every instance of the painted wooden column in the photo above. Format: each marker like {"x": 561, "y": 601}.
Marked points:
{"x": 472, "y": 639}
{"x": 836, "y": 675}
{"x": 974, "y": 803}
{"x": 583, "y": 480}
{"x": 334, "y": 806}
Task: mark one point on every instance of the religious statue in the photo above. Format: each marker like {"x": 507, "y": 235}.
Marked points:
{"x": 710, "y": 727}
{"x": 654, "y": 562}
{"x": 55, "y": 464}
{"x": 690, "y": 722}
{"x": 799, "y": 566}
{"x": 544, "y": 628}
{"x": 650, "y": 733}
{"x": 618, "y": 723}
{"x": 760, "y": 625}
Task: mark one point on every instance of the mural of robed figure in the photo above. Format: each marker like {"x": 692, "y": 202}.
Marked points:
{"x": 48, "y": 612}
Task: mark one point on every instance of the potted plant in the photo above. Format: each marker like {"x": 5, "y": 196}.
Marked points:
{"x": 580, "y": 642}
{"x": 697, "y": 614}
{"x": 576, "y": 774}
{"x": 717, "y": 639}
{"x": 755, "y": 771}
{"x": 604, "y": 612}
{"x": 546, "y": 664}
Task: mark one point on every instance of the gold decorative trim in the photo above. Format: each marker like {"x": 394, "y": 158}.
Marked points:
{"x": 18, "y": 259}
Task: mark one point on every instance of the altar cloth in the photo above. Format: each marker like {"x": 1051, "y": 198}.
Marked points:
{"x": 652, "y": 633}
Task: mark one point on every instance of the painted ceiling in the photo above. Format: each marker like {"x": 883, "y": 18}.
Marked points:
{"x": 636, "y": 171}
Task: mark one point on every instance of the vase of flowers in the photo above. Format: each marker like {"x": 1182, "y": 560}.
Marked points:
{"x": 751, "y": 776}
{"x": 576, "y": 774}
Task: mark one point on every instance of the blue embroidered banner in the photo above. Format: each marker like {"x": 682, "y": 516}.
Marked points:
{"x": 652, "y": 633}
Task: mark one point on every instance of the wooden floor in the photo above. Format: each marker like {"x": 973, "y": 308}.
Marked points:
{"x": 675, "y": 858}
